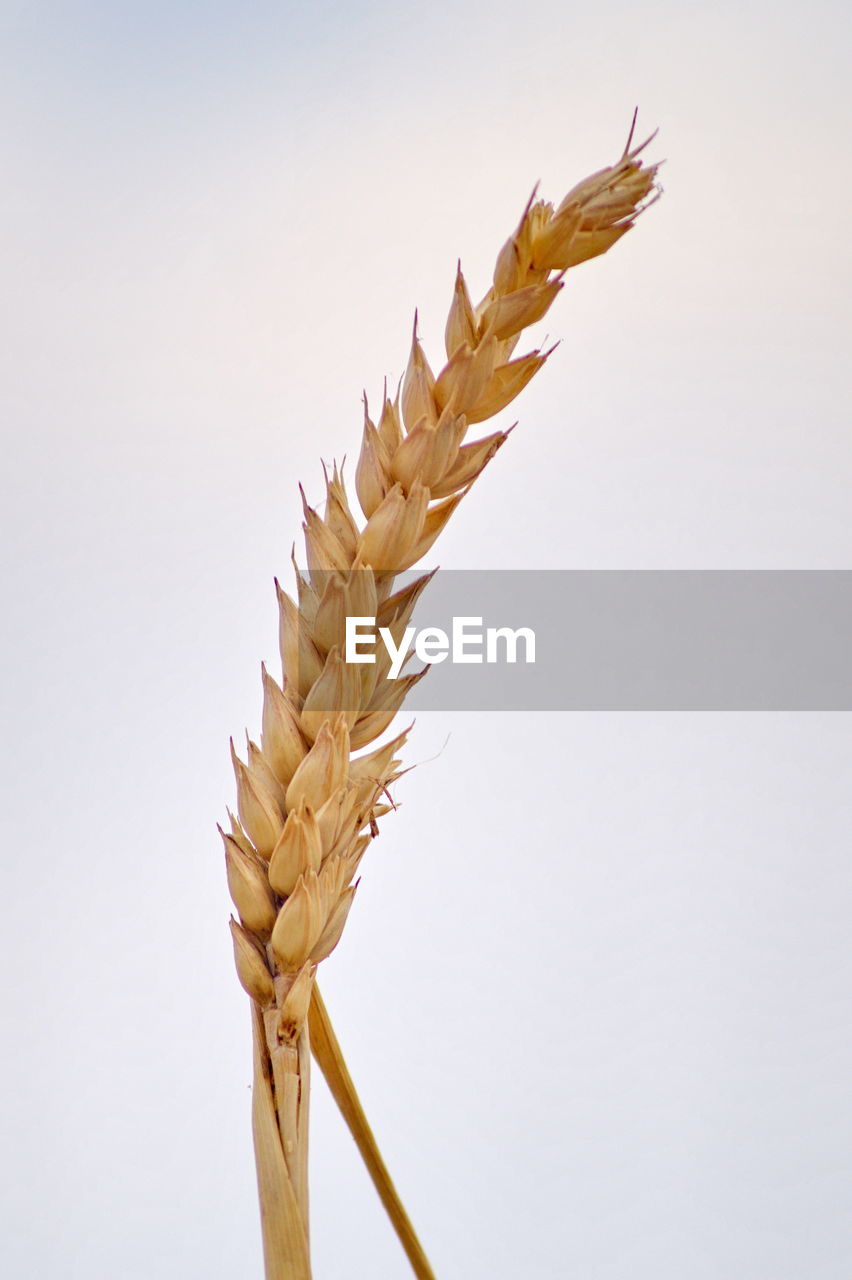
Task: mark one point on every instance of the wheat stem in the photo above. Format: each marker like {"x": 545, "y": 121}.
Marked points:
{"x": 285, "y": 1242}
{"x": 329, "y": 1056}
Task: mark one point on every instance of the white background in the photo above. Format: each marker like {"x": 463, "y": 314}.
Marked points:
{"x": 594, "y": 990}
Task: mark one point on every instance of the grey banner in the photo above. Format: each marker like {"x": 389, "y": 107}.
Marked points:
{"x": 641, "y": 640}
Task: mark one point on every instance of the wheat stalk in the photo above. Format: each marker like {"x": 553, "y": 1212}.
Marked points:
{"x": 308, "y": 807}
{"x": 327, "y": 1051}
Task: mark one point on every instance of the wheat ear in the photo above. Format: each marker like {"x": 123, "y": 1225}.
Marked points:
{"x": 308, "y": 808}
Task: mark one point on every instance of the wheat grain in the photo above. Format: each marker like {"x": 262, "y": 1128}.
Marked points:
{"x": 307, "y": 807}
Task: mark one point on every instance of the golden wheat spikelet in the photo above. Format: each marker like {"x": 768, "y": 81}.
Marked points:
{"x": 307, "y": 806}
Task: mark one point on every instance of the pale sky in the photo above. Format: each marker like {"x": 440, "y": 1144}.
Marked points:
{"x": 594, "y": 990}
